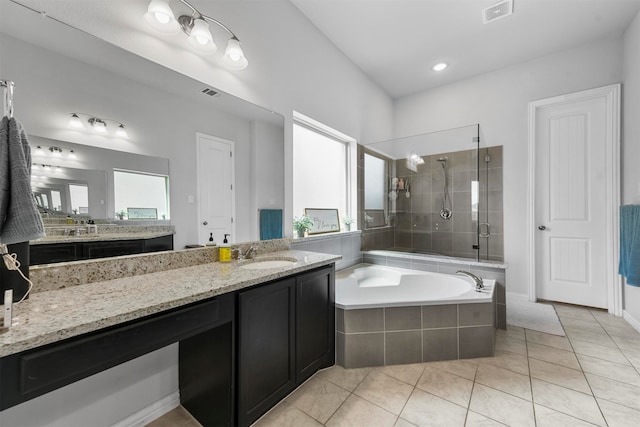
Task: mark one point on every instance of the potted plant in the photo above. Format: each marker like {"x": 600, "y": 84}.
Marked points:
{"x": 347, "y": 221}
{"x": 302, "y": 224}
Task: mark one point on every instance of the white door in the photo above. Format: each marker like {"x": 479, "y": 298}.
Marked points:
{"x": 571, "y": 205}
{"x": 216, "y": 201}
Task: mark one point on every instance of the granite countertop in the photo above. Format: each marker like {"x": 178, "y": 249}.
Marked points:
{"x": 51, "y": 316}
{"x": 100, "y": 237}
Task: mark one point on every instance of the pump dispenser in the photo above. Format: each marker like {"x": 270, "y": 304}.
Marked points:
{"x": 224, "y": 254}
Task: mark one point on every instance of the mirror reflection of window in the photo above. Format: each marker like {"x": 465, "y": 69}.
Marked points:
{"x": 143, "y": 191}
{"x": 56, "y": 200}
{"x": 79, "y": 195}
{"x": 375, "y": 191}
{"x": 45, "y": 201}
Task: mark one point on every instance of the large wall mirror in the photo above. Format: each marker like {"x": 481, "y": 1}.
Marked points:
{"x": 59, "y": 70}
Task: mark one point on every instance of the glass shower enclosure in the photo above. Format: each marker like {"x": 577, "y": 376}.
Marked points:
{"x": 438, "y": 193}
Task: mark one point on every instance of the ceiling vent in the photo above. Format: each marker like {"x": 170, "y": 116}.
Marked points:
{"x": 210, "y": 92}
{"x": 497, "y": 11}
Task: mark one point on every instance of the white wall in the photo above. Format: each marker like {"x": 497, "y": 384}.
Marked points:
{"x": 498, "y": 101}
{"x": 631, "y": 141}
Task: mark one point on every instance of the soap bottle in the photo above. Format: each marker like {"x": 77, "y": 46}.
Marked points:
{"x": 224, "y": 254}
{"x": 211, "y": 241}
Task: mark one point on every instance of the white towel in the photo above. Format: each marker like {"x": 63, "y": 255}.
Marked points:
{"x": 20, "y": 220}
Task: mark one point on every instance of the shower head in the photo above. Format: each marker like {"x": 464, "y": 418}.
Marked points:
{"x": 443, "y": 161}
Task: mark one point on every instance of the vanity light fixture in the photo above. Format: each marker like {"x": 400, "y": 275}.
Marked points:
{"x": 56, "y": 151}
{"x": 160, "y": 17}
{"x": 72, "y": 155}
{"x": 39, "y": 150}
{"x": 98, "y": 125}
{"x": 440, "y": 66}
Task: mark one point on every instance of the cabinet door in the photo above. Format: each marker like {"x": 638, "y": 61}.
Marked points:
{"x": 112, "y": 248}
{"x": 266, "y": 348}
{"x": 55, "y": 252}
{"x": 315, "y": 322}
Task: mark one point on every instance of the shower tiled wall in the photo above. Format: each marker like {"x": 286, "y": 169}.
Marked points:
{"x": 416, "y": 224}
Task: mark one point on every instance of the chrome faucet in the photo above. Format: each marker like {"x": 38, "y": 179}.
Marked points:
{"x": 476, "y": 279}
{"x": 250, "y": 253}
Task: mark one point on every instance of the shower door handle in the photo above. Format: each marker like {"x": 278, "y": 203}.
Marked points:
{"x": 542, "y": 227}
{"x": 485, "y": 229}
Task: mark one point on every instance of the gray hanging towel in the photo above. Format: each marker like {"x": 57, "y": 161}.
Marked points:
{"x": 20, "y": 220}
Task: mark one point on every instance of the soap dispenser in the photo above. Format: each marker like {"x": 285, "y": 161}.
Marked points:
{"x": 224, "y": 254}
{"x": 211, "y": 241}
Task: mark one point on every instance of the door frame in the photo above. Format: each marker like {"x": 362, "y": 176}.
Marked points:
{"x": 199, "y": 137}
{"x": 612, "y": 184}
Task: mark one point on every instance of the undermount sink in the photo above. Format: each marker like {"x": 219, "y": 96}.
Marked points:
{"x": 266, "y": 263}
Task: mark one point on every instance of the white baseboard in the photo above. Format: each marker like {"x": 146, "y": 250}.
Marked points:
{"x": 151, "y": 412}
{"x": 631, "y": 320}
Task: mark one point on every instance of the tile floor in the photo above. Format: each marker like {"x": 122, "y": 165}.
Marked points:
{"x": 590, "y": 377}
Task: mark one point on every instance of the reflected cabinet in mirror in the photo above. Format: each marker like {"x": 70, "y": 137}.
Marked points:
{"x": 438, "y": 193}
{"x": 140, "y": 132}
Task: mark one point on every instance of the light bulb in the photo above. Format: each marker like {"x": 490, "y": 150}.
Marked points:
{"x": 98, "y": 125}
{"x": 39, "y": 151}
{"x": 200, "y": 37}
{"x": 160, "y": 17}
{"x": 75, "y": 122}
{"x": 234, "y": 57}
{"x": 440, "y": 66}
{"x": 72, "y": 155}
{"x": 122, "y": 132}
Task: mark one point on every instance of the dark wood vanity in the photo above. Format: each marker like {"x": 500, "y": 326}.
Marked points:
{"x": 239, "y": 354}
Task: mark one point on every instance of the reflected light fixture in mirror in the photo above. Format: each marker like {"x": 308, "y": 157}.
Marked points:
{"x": 160, "y": 18}
{"x": 98, "y": 124}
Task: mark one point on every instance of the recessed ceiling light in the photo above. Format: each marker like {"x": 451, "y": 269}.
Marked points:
{"x": 440, "y": 66}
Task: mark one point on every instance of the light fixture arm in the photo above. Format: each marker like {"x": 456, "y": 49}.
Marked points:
{"x": 196, "y": 14}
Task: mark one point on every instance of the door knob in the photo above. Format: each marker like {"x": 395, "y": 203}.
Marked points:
{"x": 542, "y": 228}
{"x": 205, "y": 223}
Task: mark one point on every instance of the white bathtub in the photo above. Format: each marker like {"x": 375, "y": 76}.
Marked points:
{"x": 374, "y": 286}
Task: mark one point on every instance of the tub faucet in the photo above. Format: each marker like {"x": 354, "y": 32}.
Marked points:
{"x": 478, "y": 280}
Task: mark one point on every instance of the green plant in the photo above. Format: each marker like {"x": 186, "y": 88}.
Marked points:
{"x": 302, "y": 224}
{"x": 347, "y": 220}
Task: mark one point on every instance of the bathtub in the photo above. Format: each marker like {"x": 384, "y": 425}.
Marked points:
{"x": 388, "y": 316}
{"x": 373, "y": 286}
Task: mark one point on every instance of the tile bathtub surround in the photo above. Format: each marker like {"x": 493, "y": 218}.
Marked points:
{"x": 52, "y": 316}
{"x": 346, "y": 244}
{"x": 397, "y": 335}
{"x": 438, "y": 264}
{"x": 49, "y": 277}
{"x": 502, "y": 390}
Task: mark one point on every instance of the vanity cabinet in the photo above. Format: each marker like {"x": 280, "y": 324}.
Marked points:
{"x": 47, "y": 253}
{"x": 286, "y": 333}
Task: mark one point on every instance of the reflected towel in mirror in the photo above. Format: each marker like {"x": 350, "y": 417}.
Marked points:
{"x": 270, "y": 224}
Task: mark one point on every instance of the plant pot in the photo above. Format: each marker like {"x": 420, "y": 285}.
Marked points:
{"x": 300, "y": 233}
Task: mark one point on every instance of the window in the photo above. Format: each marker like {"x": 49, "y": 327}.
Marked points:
{"x": 79, "y": 195}
{"x": 142, "y": 191}
{"x": 322, "y": 165}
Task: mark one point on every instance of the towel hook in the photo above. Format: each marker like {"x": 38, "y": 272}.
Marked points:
{"x": 7, "y": 104}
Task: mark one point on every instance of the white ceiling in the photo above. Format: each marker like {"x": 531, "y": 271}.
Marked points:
{"x": 396, "y": 42}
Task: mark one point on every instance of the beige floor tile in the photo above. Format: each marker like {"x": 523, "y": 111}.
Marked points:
{"x": 569, "y": 402}
{"x": 633, "y": 357}
{"x": 178, "y": 417}
{"x": 574, "y": 312}
{"x": 514, "y": 332}
{"x": 546, "y": 417}
{"x": 446, "y": 385}
{"x": 549, "y": 340}
{"x": 615, "y": 371}
{"x": 425, "y": 409}
{"x": 622, "y": 331}
{"x": 286, "y": 415}
{"x": 504, "y": 380}
{"x": 356, "y": 411}
{"x": 409, "y": 374}
{"x": 614, "y": 391}
{"x": 477, "y": 420}
{"x": 586, "y": 322}
{"x": 604, "y": 318}
{"x": 403, "y": 423}
{"x": 596, "y": 336}
{"x": 502, "y": 407}
{"x": 387, "y": 392}
{"x": 599, "y": 351}
{"x": 348, "y": 379}
{"x": 553, "y": 355}
{"x": 318, "y": 398}
{"x": 629, "y": 344}
{"x": 511, "y": 345}
{"x": 511, "y": 361}
{"x": 559, "y": 375}
{"x": 618, "y": 415}
{"x": 463, "y": 368}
